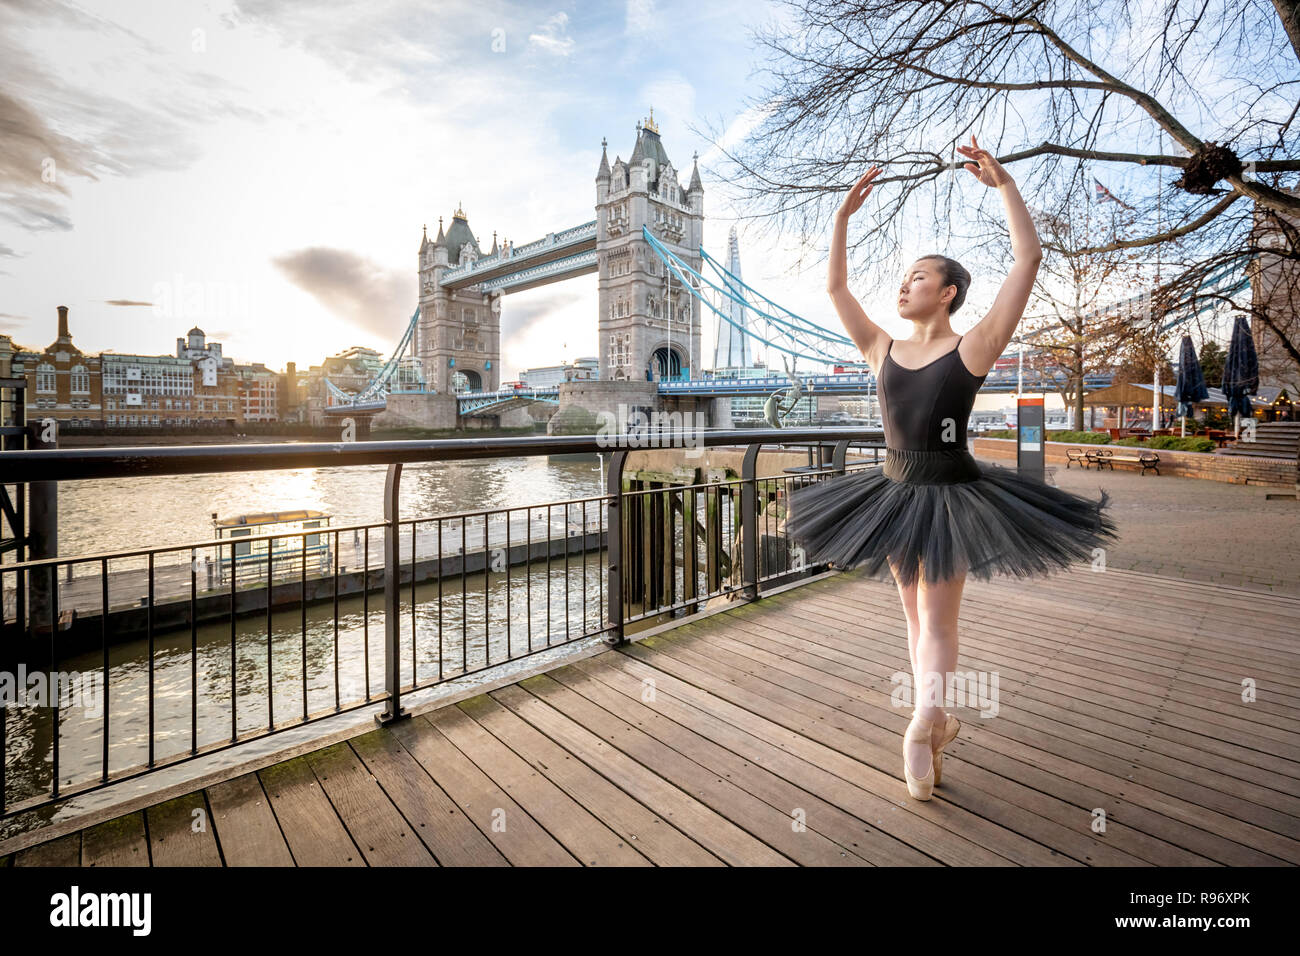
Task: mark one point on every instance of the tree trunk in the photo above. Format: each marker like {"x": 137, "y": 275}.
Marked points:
{"x": 1289, "y": 11}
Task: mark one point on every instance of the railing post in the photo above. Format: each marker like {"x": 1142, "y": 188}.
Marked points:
{"x": 749, "y": 522}
{"x": 42, "y": 527}
{"x": 392, "y": 599}
{"x": 614, "y": 547}
{"x": 838, "y": 456}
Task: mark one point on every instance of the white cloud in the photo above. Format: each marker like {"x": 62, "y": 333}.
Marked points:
{"x": 321, "y": 139}
{"x": 640, "y": 16}
{"x": 554, "y": 37}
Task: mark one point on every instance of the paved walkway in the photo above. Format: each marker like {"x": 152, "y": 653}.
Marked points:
{"x": 1199, "y": 530}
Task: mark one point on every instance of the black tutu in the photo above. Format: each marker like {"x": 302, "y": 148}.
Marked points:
{"x": 941, "y": 513}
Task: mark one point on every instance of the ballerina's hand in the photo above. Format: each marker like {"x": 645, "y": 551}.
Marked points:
{"x": 858, "y": 194}
{"x": 985, "y": 168}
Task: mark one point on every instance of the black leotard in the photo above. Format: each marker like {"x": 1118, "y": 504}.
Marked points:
{"x": 926, "y": 408}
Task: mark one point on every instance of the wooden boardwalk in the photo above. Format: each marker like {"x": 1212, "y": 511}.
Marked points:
{"x": 765, "y": 735}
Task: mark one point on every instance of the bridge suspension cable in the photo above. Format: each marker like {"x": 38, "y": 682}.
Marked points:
{"x": 782, "y": 330}
{"x": 377, "y": 388}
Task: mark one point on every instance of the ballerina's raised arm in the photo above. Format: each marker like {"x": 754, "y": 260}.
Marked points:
{"x": 871, "y": 339}
{"x": 992, "y": 334}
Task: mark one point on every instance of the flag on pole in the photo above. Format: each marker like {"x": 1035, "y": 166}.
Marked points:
{"x": 1102, "y": 194}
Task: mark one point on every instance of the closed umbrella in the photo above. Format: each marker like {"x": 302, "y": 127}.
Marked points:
{"x": 1190, "y": 387}
{"x": 1240, "y": 371}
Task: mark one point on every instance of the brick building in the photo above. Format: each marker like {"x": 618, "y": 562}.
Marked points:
{"x": 63, "y": 383}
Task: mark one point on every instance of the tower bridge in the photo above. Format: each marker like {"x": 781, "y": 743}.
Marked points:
{"x": 649, "y": 324}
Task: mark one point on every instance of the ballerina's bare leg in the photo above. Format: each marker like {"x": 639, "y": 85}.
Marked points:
{"x": 907, "y": 594}
{"x": 931, "y": 610}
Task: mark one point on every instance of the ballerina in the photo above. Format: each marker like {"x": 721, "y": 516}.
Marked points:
{"x": 931, "y": 514}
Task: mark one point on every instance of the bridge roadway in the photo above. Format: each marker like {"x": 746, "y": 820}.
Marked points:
{"x": 781, "y": 708}
{"x": 841, "y": 384}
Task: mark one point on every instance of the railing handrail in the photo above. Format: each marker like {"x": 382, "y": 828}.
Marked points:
{"x": 67, "y": 464}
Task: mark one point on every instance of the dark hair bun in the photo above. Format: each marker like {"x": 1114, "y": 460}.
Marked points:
{"x": 954, "y": 273}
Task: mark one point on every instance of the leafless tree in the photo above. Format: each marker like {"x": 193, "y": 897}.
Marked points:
{"x": 1062, "y": 86}
{"x": 1086, "y": 309}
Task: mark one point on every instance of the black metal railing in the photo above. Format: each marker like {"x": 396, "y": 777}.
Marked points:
{"x": 189, "y": 649}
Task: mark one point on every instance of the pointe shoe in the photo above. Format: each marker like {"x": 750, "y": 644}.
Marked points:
{"x": 951, "y": 726}
{"x": 919, "y": 787}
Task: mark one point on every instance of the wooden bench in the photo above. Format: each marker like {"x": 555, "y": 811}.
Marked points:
{"x": 1146, "y": 459}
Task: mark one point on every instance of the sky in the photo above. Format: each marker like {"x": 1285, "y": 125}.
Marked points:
{"x": 263, "y": 169}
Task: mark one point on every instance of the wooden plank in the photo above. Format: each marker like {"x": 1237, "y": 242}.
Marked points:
{"x": 524, "y": 842}
{"x": 1172, "y": 653}
{"x": 1012, "y": 639}
{"x": 589, "y": 733}
{"x": 1105, "y": 737}
{"x": 1111, "y": 620}
{"x": 314, "y": 832}
{"x": 1176, "y": 824}
{"x": 1162, "y": 619}
{"x": 568, "y": 821}
{"x": 445, "y": 830}
{"x": 63, "y": 851}
{"x": 954, "y": 838}
{"x": 674, "y": 775}
{"x": 583, "y": 834}
{"x": 648, "y": 831}
{"x": 117, "y": 842}
{"x": 767, "y": 771}
{"x": 246, "y": 827}
{"x": 1097, "y": 624}
{"x": 376, "y": 826}
{"x": 824, "y": 657}
{"x": 1077, "y": 677}
{"x": 181, "y": 833}
{"x": 1080, "y": 687}
{"x": 877, "y": 748}
{"x": 1057, "y": 801}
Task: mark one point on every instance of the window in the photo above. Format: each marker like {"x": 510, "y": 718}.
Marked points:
{"x": 45, "y": 377}
{"x": 80, "y": 380}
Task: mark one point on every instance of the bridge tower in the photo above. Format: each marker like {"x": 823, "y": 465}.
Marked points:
{"x": 648, "y": 327}
{"x": 646, "y": 320}
{"x": 459, "y": 329}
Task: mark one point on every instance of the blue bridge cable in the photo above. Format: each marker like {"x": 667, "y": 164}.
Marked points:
{"x": 817, "y": 332}
{"x": 813, "y": 327}
{"x": 677, "y": 265}
{"x": 376, "y": 384}
{"x": 809, "y": 326}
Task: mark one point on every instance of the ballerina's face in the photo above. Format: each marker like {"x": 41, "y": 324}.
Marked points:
{"x": 921, "y": 292}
